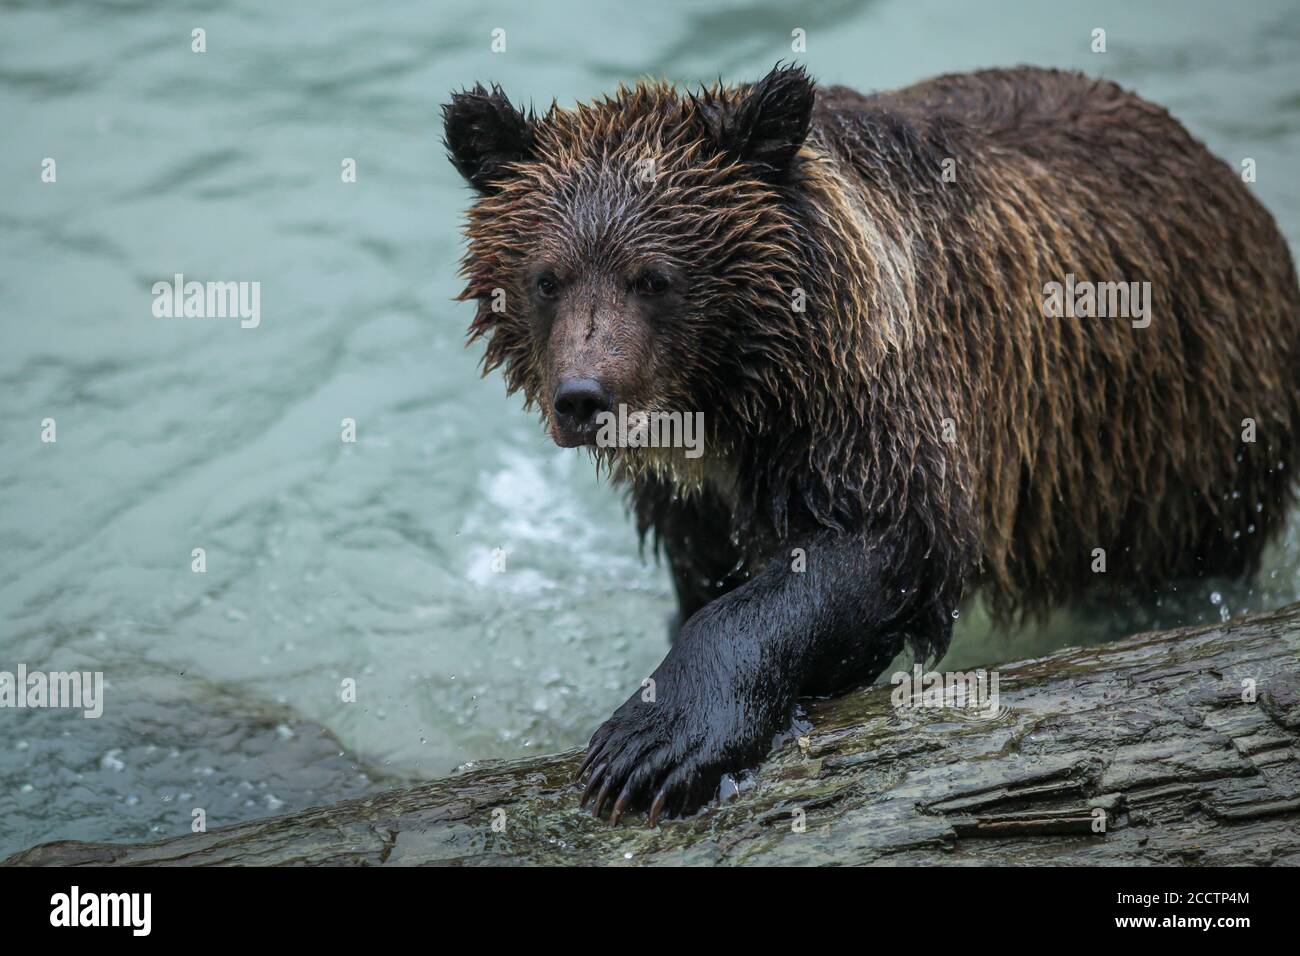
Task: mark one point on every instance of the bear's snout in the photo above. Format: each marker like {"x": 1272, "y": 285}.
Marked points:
{"x": 577, "y": 402}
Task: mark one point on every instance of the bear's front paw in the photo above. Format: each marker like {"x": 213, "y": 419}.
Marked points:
{"x": 667, "y": 756}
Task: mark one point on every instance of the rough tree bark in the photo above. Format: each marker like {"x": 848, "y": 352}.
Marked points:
{"x": 1184, "y": 743}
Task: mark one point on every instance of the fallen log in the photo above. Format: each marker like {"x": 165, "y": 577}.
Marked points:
{"x": 1171, "y": 747}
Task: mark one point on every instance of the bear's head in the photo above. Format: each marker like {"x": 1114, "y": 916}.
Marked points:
{"x": 626, "y": 251}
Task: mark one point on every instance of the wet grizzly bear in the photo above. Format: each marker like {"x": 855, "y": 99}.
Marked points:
{"x": 854, "y": 291}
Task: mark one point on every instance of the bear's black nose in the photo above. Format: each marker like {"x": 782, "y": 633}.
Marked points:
{"x": 577, "y": 403}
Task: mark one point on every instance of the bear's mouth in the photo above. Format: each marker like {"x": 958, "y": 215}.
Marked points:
{"x": 572, "y": 437}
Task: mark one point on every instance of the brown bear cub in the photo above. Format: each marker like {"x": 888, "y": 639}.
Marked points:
{"x": 956, "y": 336}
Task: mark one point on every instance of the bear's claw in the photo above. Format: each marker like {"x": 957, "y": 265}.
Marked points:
{"x": 657, "y": 807}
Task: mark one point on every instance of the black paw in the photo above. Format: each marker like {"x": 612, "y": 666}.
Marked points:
{"x": 667, "y": 757}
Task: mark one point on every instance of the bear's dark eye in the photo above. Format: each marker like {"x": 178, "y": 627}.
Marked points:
{"x": 548, "y": 287}
{"x": 652, "y": 282}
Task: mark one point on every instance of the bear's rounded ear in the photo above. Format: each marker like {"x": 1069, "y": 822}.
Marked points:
{"x": 483, "y": 134}
{"x": 769, "y": 123}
